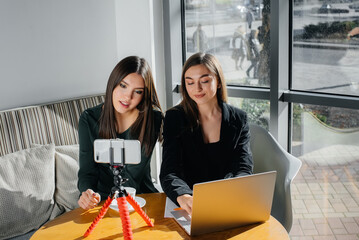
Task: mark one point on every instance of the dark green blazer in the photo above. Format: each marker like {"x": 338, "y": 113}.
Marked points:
{"x": 98, "y": 176}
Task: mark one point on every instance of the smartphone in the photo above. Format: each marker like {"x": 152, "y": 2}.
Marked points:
{"x": 117, "y": 151}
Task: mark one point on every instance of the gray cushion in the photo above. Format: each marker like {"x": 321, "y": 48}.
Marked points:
{"x": 67, "y": 166}
{"x": 27, "y": 186}
{"x": 25, "y": 236}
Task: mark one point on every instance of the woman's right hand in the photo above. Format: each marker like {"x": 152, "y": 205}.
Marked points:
{"x": 89, "y": 199}
{"x": 185, "y": 201}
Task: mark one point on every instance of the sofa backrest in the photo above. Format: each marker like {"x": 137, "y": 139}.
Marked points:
{"x": 51, "y": 123}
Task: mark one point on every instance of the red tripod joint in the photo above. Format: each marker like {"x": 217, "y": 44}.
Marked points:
{"x": 119, "y": 193}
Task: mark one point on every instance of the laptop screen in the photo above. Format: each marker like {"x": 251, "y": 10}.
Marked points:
{"x": 227, "y": 203}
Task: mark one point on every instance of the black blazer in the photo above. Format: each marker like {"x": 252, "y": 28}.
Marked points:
{"x": 184, "y": 160}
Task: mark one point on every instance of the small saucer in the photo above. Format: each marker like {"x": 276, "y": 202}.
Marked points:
{"x": 139, "y": 200}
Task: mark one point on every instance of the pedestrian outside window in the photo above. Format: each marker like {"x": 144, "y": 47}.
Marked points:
{"x": 236, "y": 32}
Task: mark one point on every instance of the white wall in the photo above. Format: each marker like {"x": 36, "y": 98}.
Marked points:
{"x": 140, "y": 32}
{"x": 52, "y": 50}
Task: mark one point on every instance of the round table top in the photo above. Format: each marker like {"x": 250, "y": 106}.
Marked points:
{"x": 73, "y": 225}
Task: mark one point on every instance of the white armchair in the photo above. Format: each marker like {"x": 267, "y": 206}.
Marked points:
{"x": 268, "y": 155}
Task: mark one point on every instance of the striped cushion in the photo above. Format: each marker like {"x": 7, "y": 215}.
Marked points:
{"x": 53, "y": 123}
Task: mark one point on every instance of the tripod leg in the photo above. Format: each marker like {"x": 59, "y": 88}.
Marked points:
{"x": 139, "y": 210}
{"x": 99, "y": 216}
{"x": 125, "y": 218}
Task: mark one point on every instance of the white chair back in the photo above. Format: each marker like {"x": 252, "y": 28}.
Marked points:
{"x": 268, "y": 155}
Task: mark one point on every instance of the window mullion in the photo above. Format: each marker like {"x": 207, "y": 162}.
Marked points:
{"x": 279, "y": 31}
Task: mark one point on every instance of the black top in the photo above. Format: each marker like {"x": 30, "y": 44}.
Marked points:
{"x": 211, "y": 170}
{"x": 99, "y": 176}
{"x": 188, "y": 160}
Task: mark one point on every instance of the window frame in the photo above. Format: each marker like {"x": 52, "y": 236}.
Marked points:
{"x": 280, "y": 94}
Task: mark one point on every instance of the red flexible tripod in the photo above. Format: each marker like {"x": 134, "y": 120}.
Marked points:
{"x": 119, "y": 193}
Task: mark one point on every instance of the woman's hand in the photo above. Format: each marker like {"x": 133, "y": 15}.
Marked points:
{"x": 89, "y": 199}
{"x": 185, "y": 201}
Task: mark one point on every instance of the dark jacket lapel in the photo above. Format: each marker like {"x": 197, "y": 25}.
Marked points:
{"x": 228, "y": 128}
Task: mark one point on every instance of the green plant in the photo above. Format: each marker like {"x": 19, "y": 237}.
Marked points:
{"x": 297, "y": 121}
{"x": 321, "y": 117}
{"x": 328, "y": 30}
{"x": 257, "y": 111}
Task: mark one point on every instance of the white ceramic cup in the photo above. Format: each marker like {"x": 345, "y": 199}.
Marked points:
{"x": 131, "y": 191}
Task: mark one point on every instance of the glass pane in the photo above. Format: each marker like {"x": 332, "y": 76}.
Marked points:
{"x": 326, "y": 46}
{"x": 236, "y": 32}
{"x": 325, "y": 193}
{"x": 257, "y": 110}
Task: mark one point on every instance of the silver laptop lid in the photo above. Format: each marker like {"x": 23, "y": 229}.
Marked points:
{"x": 233, "y": 202}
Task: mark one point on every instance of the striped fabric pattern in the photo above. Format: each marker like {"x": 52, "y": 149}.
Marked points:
{"x": 52, "y": 123}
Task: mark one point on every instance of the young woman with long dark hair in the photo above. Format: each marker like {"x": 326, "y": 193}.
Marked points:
{"x": 131, "y": 111}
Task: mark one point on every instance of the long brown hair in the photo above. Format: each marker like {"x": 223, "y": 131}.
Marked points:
{"x": 212, "y": 64}
{"x": 144, "y": 127}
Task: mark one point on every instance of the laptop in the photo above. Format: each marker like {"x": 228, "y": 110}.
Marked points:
{"x": 228, "y": 203}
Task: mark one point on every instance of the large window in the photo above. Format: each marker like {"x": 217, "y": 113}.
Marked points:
{"x": 236, "y": 32}
{"x": 325, "y": 193}
{"x": 305, "y": 90}
{"x": 325, "y": 137}
{"x": 326, "y": 46}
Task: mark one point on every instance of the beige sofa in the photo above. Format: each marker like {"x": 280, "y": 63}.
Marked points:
{"x": 39, "y": 164}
